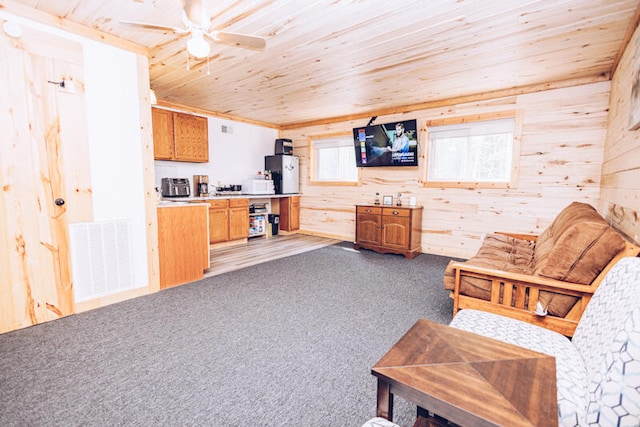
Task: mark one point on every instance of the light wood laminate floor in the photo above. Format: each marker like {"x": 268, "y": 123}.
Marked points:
{"x": 259, "y": 250}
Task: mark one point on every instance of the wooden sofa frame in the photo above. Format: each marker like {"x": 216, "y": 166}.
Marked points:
{"x": 510, "y": 292}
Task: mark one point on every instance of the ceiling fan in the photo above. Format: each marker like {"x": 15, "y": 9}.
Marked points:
{"x": 196, "y": 22}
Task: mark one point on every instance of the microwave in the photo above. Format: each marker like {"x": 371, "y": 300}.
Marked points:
{"x": 258, "y": 186}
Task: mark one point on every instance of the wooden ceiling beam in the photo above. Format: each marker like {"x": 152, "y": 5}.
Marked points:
{"x": 186, "y": 108}
{"x": 453, "y": 101}
{"x": 635, "y": 21}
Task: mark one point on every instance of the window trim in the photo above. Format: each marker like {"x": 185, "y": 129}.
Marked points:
{"x": 312, "y": 160}
{"x": 517, "y": 115}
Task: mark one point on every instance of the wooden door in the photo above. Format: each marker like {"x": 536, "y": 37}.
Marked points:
{"x": 162, "y": 123}
{"x": 43, "y": 159}
{"x": 191, "y": 138}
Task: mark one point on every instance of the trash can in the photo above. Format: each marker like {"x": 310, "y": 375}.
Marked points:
{"x": 274, "y": 221}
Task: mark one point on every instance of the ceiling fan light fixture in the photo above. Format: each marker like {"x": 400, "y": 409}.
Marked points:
{"x": 198, "y": 47}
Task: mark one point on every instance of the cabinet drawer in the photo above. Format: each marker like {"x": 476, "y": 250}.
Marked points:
{"x": 238, "y": 203}
{"x": 396, "y": 212}
{"x": 373, "y": 210}
{"x": 217, "y": 204}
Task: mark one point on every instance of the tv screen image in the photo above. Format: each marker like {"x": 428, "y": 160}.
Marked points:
{"x": 388, "y": 144}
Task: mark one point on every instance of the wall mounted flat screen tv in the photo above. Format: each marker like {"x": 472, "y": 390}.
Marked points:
{"x": 388, "y": 144}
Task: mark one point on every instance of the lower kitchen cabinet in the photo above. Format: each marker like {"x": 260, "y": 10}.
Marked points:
{"x": 228, "y": 220}
{"x": 238, "y": 219}
{"x": 389, "y": 229}
{"x": 183, "y": 247}
{"x": 290, "y": 213}
{"x": 218, "y": 221}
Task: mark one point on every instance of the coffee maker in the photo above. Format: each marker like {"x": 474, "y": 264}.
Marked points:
{"x": 201, "y": 185}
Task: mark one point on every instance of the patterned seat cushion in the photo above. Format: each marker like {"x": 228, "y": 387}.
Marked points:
{"x": 608, "y": 337}
{"x": 379, "y": 422}
{"x": 598, "y": 372}
{"x": 571, "y": 377}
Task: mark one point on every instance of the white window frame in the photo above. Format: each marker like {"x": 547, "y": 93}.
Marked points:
{"x": 319, "y": 142}
{"x": 434, "y": 126}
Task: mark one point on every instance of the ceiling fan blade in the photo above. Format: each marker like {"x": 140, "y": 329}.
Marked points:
{"x": 240, "y": 40}
{"x": 195, "y": 13}
{"x": 155, "y": 26}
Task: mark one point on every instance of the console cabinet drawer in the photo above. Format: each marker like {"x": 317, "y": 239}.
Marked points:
{"x": 396, "y": 212}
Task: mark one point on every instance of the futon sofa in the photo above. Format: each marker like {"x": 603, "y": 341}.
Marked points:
{"x": 546, "y": 280}
{"x": 598, "y": 371}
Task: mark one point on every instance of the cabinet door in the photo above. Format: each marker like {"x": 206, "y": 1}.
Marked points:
{"x": 162, "y": 123}
{"x": 238, "y": 219}
{"x": 218, "y": 225}
{"x": 368, "y": 228}
{"x": 290, "y": 213}
{"x": 191, "y": 138}
{"x": 396, "y": 232}
{"x": 183, "y": 247}
{"x": 294, "y": 213}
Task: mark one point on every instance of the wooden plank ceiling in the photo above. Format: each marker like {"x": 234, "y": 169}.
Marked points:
{"x": 344, "y": 58}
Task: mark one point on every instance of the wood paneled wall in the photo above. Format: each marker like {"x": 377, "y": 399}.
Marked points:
{"x": 620, "y": 194}
{"x": 560, "y": 160}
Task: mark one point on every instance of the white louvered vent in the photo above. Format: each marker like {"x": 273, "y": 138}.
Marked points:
{"x": 101, "y": 258}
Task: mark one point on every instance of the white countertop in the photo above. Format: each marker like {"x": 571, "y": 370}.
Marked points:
{"x": 179, "y": 203}
{"x": 225, "y": 196}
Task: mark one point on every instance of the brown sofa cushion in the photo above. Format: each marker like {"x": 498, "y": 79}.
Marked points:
{"x": 574, "y": 248}
{"x": 499, "y": 252}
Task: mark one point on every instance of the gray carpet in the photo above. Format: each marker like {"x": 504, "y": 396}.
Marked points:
{"x": 287, "y": 343}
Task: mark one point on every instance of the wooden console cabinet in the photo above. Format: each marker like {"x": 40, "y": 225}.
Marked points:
{"x": 389, "y": 229}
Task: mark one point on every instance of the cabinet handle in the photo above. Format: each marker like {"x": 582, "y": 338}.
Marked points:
{"x": 368, "y": 211}
{"x": 396, "y": 213}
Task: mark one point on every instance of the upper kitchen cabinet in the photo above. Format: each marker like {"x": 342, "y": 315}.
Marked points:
{"x": 179, "y": 136}
{"x": 163, "y": 146}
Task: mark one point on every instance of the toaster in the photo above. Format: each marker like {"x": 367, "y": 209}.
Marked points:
{"x": 175, "y": 187}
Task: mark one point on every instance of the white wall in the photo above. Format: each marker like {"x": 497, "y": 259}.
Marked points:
{"x": 115, "y": 146}
{"x": 233, "y": 156}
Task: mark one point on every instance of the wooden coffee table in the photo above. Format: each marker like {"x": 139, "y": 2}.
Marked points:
{"x": 468, "y": 379}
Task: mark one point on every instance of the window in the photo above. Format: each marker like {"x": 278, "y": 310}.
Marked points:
{"x": 472, "y": 154}
{"x": 333, "y": 160}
